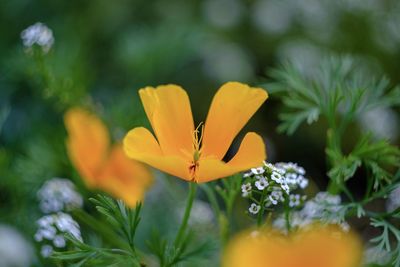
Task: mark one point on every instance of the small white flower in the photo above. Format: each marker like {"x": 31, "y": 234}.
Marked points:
{"x": 261, "y": 184}
{"x": 245, "y": 194}
{"x": 269, "y": 165}
{"x": 53, "y": 227}
{"x": 291, "y": 178}
{"x": 38, "y": 237}
{"x": 291, "y": 168}
{"x": 275, "y": 197}
{"x": 277, "y": 177}
{"x": 246, "y": 187}
{"x": 300, "y": 170}
{"x": 280, "y": 171}
{"x": 273, "y": 201}
{"x": 254, "y": 208}
{"x": 59, "y": 241}
{"x": 59, "y": 194}
{"x": 259, "y": 170}
{"x": 294, "y": 200}
{"x": 393, "y": 201}
{"x": 48, "y": 233}
{"x": 303, "y": 182}
{"x": 327, "y": 198}
{"x": 274, "y": 168}
{"x": 375, "y": 255}
{"x": 311, "y": 209}
{"x": 247, "y": 174}
{"x": 285, "y": 187}
{"x": 46, "y": 251}
{"x": 39, "y": 34}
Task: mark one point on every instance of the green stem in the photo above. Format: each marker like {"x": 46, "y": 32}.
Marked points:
{"x": 224, "y": 228}
{"x": 262, "y": 210}
{"x": 287, "y": 216}
{"x": 185, "y": 220}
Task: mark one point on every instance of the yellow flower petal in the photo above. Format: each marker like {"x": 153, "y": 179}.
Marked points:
{"x": 124, "y": 178}
{"x": 87, "y": 144}
{"x": 313, "y": 246}
{"x": 181, "y": 150}
{"x": 232, "y": 107}
{"x": 168, "y": 110}
{"x": 111, "y": 171}
{"x": 140, "y": 144}
{"x": 328, "y": 246}
{"x": 251, "y": 153}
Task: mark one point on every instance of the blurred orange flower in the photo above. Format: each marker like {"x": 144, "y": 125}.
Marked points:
{"x": 101, "y": 165}
{"x": 312, "y": 246}
{"x": 193, "y": 154}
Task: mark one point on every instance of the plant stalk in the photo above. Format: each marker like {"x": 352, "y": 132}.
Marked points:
{"x": 186, "y": 216}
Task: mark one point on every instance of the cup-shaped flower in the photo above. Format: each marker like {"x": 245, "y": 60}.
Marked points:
{"x": 195, "y": 154}
{"x": 100, "y": 164}
{"x": 312, "y": 246}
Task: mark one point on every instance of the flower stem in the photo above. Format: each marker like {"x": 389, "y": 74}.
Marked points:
{"x": 185, "y": 220}
{"x": 260, "y": 217}
{"x": 287, "y": 216}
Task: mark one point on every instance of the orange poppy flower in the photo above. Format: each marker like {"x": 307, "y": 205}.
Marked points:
{"x": 313, "y": 246}
{"x": 101, "y": 165}
{"x": 193, "y": 154}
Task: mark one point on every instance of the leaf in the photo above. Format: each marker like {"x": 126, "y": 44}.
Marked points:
{"x": 341, "y": 86}
{"x": 383, "y": 240}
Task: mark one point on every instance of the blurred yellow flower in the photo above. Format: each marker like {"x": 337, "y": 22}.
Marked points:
{"x": 101, "y": 165}
{"x": 193, "y": 154}
{"x": 312, "y": 246}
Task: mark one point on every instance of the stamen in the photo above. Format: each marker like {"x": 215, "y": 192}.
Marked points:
{"x": 197, "y": 139}
{"x": 198, "y": 136}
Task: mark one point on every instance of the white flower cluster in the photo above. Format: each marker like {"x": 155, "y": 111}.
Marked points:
{"x": 375, "y": 256}
{"x": 51, "y": 230}
{"x": 57, "y": 195}
{"x": 393, "y": 201}
{"x": 39, "y": 34}
{"x": 275, "y": 182}
{"x": 323, "y": 207}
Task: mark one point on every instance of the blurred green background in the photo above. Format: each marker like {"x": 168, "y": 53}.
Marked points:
{"x": 104, "y": 51}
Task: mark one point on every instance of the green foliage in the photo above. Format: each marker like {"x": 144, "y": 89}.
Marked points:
{"x": 60, "y": 83}
{"x": 339, "y": 92}
{"x": 4, "y": 111}
{"x": 126, "y": 45}
{"x": 340, "y": 87}
{"x": 375, "y": 156}
{"x": 227, "y": 189}
{"x": 122, "y": 220}
{"x": 383, "y": 241}
{"x": 183, "y": 248}
{"x": 86, "y": 255}
{"x": 169, "y": 254}
{"x": 120, "y": 216}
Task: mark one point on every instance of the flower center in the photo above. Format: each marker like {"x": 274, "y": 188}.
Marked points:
{"x": 197, "y": 138}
